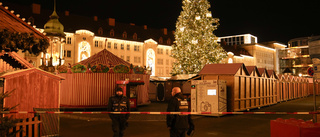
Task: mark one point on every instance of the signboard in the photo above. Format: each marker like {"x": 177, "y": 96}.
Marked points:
{"x": 310, "y": 71}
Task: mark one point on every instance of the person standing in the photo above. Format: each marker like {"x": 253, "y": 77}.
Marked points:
{"x": 119, "y": 103}
{"x": 178, "y": 124}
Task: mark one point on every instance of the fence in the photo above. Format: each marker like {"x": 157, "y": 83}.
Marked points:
{"x": 30, "y": 127}
{"x": 94, "y": 89}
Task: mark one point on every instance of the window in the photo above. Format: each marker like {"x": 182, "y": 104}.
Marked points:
{"x": 128, "y": 46}
{"x": 115, "y": 45}
{"x": 124, "y": 35}
{"x": 112, "y": 33}
{"x": 135, "y": 36}
{"x": 122, "y": 46}
{"x": 122, "y": 57}
{"x": 128, "y": 58}
{"x": 167, "y": 62}
{"x": 294, "y": 43}
{"x": 169, "y": 41}
{"x": 68, "y": 53}
{"x": 109, "y": 45}
{"x": 160, "y": 40}
{"x": 68, "y": 40}
{"x": 96, "y": 43}
{"x": 100, "y": 31}
{"x": 100, "y": 44}
{"x": 160, "y": 51}
{"x": 137, "y": 60}
{"x": 136, "y": 48}
{"x": 160, "y": 61}
{"x": 167, "y": 51}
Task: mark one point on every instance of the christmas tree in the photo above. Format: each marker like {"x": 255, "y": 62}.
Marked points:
{"x": 195, "y": 44}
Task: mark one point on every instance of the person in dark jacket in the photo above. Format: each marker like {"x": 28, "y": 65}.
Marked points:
{"x": 119, "y": 103}
{"x": 178, "y": 124}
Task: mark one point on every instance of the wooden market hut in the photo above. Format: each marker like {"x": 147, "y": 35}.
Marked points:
{"x": 87, "y": 90}
{"x": 33, "y": 88}
{"x": 244, "y": 91}
{"x": 16, "y": 72}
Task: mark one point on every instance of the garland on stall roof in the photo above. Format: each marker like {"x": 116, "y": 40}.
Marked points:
{"x": 14, "y": 41}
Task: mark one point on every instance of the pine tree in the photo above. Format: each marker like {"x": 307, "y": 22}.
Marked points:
{"x": 195, "y": 44}
{"x": 7, "y": 123}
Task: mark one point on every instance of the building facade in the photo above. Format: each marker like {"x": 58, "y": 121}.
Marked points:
{"x": 296, "y": 57}
{"x": 246, "y": 49}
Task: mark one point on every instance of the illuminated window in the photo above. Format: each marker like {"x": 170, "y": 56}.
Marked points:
{"x": 84, "y": 50}
{"x": 151, "y": 61}
{"x": 112, "y": 33}
{"x": 135, "y": 36}
{"x": 230, "y": 60}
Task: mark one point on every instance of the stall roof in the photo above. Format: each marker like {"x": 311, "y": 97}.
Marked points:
{"x": 104, "y": 57}
{"x": 12, "y": 23}
{"x": 15, "y": 60}
{"x": 231, "y": 68}
{"x": 12, "y": 74}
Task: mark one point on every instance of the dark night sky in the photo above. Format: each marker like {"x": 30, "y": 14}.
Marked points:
{"x": 267, "y": 19}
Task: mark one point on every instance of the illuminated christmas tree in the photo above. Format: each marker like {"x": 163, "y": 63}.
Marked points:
{"x": 195, "y": 44}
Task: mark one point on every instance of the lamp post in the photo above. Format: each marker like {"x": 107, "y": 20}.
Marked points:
{"x": 314, "y": 52}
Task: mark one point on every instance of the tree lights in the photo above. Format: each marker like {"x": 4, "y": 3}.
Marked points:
{"x": 195, "y": 44}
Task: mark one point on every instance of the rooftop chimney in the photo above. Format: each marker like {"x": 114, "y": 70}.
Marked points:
{"x": 112, "y": 22}
{"x": 36, "y": 8}
{"x": 95, "y": 18}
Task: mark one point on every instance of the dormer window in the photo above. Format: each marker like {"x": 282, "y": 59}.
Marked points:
{"x": 100, "y": 31}
{"x": 112, "y": 33}
{"x": 135, "y": 36}
{"x": 124, "y": 35}
{"x": 169, "y": 41}
{"x": 160, "y": 40}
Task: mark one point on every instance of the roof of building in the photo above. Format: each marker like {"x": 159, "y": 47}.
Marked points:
{"x": 73, "y": 22}
{"x": 231, "y": 69}
{"x": 235, "y": 49}
{"x": 14, "y": 60}
{"x": 104, "y": 57}
{"x": 12, "y": 23}
{"x": 30, "y": 70}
